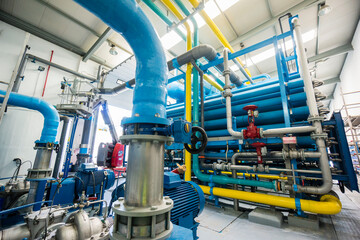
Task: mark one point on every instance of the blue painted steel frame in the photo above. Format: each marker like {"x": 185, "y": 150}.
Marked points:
{"x": 345, "y": 153}
{"x": 284, "y": 75}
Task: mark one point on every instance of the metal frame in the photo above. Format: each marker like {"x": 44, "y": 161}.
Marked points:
{"x": 281, "y": 60}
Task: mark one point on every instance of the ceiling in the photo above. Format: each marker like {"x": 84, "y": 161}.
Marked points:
{"x": 68, "y": 21}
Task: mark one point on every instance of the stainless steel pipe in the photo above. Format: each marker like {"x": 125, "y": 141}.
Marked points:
{"x": 290, "y": 130}
{"x": 145, "y": 173}
{"x": 314, "y": 116}
{"x": 227, "y": 95}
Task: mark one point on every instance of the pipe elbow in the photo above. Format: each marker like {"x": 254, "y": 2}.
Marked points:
{"x": 328, "y": 205}
{"x": 149, "y": 101}
{"x": 50, "y": 114}
{"x": 235, "y": 133}
{"x": 51, "y": 121}
{"x": 204, "y": 50}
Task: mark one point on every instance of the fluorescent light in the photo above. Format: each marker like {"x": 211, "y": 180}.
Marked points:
{"x": 308, "y": 36}
{"x": 213, "y": 11}
{"x": 225, "y": 4}
{"x": 264, "y": 55}
{"x": 170, "y": 39}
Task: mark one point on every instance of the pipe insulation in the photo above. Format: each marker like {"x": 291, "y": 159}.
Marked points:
{"x": 50, "y": 114}
{"x": 247, "y": 94}
{"x": 198, "y": 52}
{"x": 150, "y": 92}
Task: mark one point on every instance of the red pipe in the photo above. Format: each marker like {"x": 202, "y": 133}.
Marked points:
{"x": 47, "y": 73}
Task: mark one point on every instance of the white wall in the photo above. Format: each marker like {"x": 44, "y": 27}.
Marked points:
{"x": 350, "y": 78}
{"x": 21, "y": 127}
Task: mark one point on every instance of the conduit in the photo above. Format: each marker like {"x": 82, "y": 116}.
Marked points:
{"x": 174, "y": 10}
{"x": 198, "y": 52}
{"x": 218, "y": 33}
{"x": 272, "y": 177}
{"x": 328, "y": 204}
{"x": 161, "y": 15}
{"x": 227, "y": 180}
{"x": 47, "y": 73}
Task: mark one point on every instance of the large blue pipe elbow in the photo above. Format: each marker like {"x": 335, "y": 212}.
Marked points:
{"x": 51, "y": 116}
{"x": 127, "y": 18}
{"x": 176, "y": 91}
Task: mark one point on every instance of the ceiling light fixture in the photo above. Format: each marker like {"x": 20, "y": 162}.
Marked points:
{"x": 324, "y": 9}
{"x": 112, "y": 50}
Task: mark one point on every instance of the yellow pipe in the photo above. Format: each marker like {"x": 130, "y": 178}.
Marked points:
{"x": 213, "y": 83}
{"x": 217, "y": 31}
{"x": 253, "y": 175}
{"x": 177, "y": 13}
{"x": 328, "y": 204}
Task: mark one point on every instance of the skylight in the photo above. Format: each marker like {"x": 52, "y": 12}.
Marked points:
{"x": 169, "y": 40}
{"x": 308, "y": 36}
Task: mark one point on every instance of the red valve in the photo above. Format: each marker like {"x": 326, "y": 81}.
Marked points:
{"x": 258, "y": 146}
{"x": 92, "y": 198}
{"x": 250, "y": 107}
{"x": 251, "y": 131}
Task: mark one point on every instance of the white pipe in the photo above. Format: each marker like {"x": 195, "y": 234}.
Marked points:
{"x": 290, "y": 130}
{"x": 314, "y": 113}
{"x": 227, "y": 95}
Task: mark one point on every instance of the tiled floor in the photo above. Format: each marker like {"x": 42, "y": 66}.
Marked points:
{"x": 220, "y": 223}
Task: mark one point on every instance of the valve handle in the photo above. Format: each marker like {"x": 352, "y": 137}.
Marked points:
{"x": 198, "y": 135}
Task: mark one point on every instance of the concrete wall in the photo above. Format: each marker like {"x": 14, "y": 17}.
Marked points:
{"x": 21, "y": 127}
{"x": 350, "y": 79}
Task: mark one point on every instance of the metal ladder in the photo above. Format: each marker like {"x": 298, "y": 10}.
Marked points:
{"x": 347, "y": 118}
{"x": 13, "y": 78}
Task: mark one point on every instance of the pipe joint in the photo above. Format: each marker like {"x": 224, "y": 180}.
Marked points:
{"x": 316, "y": 136}
{"x": 226, "y": 72}
{"x": 312, "y": 119}
{"x": 227, "y": 93}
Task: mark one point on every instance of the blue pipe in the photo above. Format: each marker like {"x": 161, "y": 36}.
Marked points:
{"x": 7, "y": 211}
{"x": 302, "y": 141}
{"x": 266, "y": 76}
{"x": 248, "y": 92}
{"x": 127, "y": 18}
{"x": 176, "y": 91}
{"x": 271, "y": 104}
{"x": 264, "y": 93}
{"x": 51, "y": 116}
{"x": 298, "y": 114}
{"x": 234, "y": 91}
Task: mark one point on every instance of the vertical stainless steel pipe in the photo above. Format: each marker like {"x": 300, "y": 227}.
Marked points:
{"x": 314, "y": 115}
{"x": 227, "y": 95}
{"x": 145, "y": 173}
